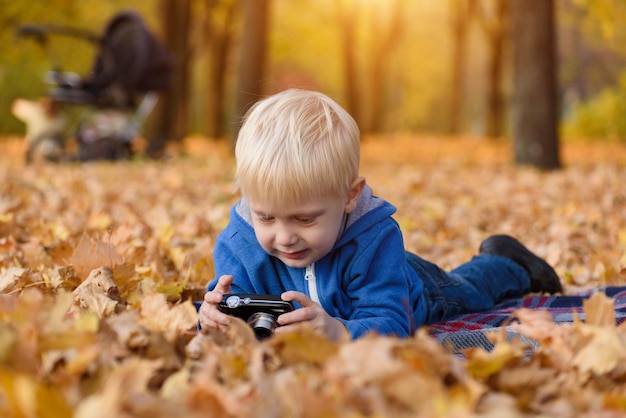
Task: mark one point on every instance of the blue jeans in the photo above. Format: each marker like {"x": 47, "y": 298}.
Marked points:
{"x": 475, "y": 286}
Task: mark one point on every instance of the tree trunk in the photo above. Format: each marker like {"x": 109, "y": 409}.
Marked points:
{"x": 496, "y": 35}
{"x": 383, "y": 46}
{"x": 349, "y": 48}
{"x": 459, "y": 11}
{"x": 253, "y": 55}
{"x": 534, "y": 106}
{"x": 219, "y": 38}
{"x": 171, "y": 114}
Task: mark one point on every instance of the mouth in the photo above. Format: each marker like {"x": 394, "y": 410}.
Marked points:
{"x": 295, "y": 255}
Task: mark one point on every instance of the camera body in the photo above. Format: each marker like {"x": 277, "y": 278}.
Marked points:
{"x": 259, "y": 311}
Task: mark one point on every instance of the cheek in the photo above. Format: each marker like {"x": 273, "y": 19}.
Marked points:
{"x": 262, "y": 235}
{"x": 325, "y": 237}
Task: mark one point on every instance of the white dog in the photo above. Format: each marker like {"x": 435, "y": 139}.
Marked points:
{"x": 45, "y": 128}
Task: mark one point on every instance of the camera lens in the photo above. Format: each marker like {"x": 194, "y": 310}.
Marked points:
{"x": 263, "y": 324}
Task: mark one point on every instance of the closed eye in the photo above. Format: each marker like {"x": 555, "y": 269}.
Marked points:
{"x": 265, "y": 218}
{"x": 304, "y": 220}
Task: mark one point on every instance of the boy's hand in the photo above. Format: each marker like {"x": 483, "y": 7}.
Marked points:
{"x": 209, "y": 315}
{"x": 311, "y": 313}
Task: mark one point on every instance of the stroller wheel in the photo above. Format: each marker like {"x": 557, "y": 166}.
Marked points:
{"x": 109, "y": 149}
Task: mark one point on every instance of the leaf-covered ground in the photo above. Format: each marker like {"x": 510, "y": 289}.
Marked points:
{"x": 99, "y": 262}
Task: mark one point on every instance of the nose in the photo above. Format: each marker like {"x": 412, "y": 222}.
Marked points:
{"x": 285, "y": 236}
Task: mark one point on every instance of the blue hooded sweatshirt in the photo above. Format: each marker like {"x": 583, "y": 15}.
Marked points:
{"x": 365, "y": 281}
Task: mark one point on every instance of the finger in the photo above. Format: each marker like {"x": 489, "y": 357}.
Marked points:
{"x": 293, "y": 296}
{"x": 203, "y": 314}
{"x": 213, "y": 297}
{"x": 223, "y": 284}
{"x": 204, "y": 321}
{"x": 209, "y": 314}
{"x": 299, "y": 315}
{"x": 206, "y": 327}
{"x": 207, "y": 323}
{"x": 287, "y": 328}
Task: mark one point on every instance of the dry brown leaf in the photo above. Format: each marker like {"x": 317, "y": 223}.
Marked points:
{"x": 599, "y": 310}
{"x": 158, "y": 315}
{"x": 126, "y": 394}
{"x": 9, "y": 278}
{"x": 129, "y": 332}
{"x": 536, "y": 324}
{"x": 210, "y": 399}
{"x": 499, "y": 405}
{"x": 303, "y": 346}
{"x": 8, "y": 340}
{"x": 61, "y": 253}
{"x": 98, "y": 293}
{"x": 27, "y": 321}
{"x": 368, "y": 359}
{"x": 238, "y": 334}
{"x": 604, "y": 351}
{"x": 91, "y": 254}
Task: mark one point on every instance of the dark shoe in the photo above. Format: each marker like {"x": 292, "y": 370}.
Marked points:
{"x": 543, "y": 278}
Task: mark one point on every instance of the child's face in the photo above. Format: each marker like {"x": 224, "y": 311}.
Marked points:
{"x": 302, "y": 234}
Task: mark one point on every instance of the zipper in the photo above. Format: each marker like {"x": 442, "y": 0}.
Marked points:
{"x": 309, "y": 276}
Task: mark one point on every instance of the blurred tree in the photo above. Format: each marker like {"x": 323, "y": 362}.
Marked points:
{"x": 494, "y": 21}
{"x": 418, "y": 79}
{"x": 252, "y": 58}
{"x": 171, "y": 114}
{"x": 534, "y": 104}
{"x": 460, "y": 15}
{"x": 220, "y": 17}
{"x": 308, "y": 48}
{"x": 592, "y": 60}
{"x": 383, "y": 43}
{"x": 347, "y": 27}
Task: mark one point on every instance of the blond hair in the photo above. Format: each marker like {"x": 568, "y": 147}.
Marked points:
{"x": 296, "y": 145}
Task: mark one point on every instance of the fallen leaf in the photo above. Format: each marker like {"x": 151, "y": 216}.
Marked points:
{"x": 91, "y": 254}
{"x": 482, "y": 364}
{"x": 599, "y": 310}
{"x": 603, "y": 353}
{"x": 158, "y": 315}
{"x": 98, "y": 293}
{"x": 9, "y": 278}
{"x": 303, "y": 346}
{"x": 26, "y": 397}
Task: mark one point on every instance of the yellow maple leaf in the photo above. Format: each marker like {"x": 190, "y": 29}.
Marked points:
{"x": 482, "y": 364}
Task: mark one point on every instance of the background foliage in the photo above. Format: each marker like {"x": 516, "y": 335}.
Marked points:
{"x": 305, "y": 50}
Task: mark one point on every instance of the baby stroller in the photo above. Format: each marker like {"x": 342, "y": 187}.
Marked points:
{"x": 119, "y": 93}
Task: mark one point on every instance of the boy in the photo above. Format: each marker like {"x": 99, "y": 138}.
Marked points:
{"x": 309, "y": 229}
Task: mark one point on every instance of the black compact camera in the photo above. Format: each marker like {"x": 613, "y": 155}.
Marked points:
{"x": 259, "y": 311}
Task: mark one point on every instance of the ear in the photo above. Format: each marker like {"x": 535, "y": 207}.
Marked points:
{"x": 353, "y": 194}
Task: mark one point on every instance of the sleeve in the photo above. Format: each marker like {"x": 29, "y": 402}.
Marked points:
{"x": 227, "y": 261}
{"x": 252, "y": 269}
{"x": 380, "y": 288}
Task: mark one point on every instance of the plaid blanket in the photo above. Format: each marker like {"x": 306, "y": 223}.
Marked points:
{"x": 470, "y": 330}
